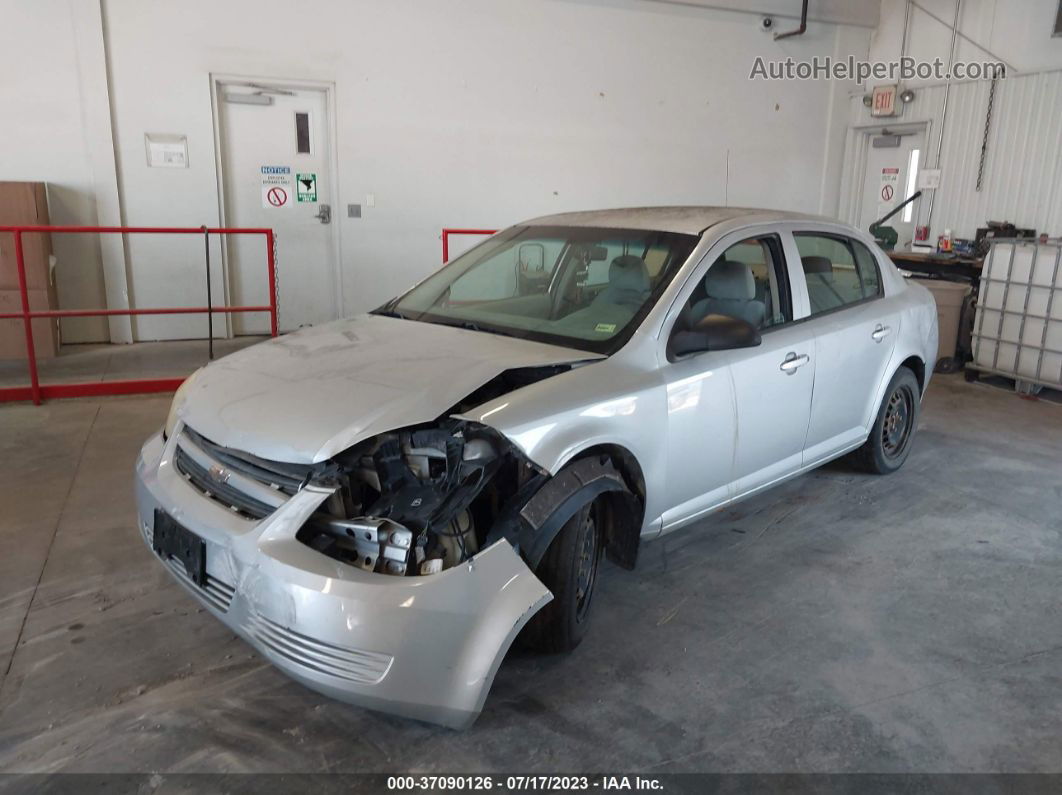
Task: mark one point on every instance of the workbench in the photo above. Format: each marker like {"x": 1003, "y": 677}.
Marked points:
{"x": 940, "y": 266}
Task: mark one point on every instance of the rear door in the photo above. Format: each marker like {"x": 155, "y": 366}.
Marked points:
{"x": 855, "y": 329}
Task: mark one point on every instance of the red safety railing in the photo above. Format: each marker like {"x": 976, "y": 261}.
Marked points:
{"x": 451, "y": 231}
{"x": 38, "y": 392}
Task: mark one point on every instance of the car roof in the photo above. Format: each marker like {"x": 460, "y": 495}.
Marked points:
{"x": 690, "y": 220}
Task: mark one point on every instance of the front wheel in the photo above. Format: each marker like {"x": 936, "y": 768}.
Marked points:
{"x": 569, "y": 569}
{"x": 889, "y": 442}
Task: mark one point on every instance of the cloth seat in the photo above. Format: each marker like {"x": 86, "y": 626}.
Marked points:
{"x": 818, "y": 275}
{"x": 731, "y": 291}
{"x": 628, "y": 283}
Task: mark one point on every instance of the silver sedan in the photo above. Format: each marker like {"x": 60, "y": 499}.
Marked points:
{"x": 380, "y": 505}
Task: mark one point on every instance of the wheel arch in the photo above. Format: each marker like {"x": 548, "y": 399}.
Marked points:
{"x": 623, "y": 499}
{"x": 917, "y": 365}
{"x": 623, "y": 530}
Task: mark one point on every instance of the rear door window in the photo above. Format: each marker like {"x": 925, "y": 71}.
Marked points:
{"x": 838, "y": 271}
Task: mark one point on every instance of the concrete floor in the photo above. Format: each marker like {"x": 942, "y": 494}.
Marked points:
{"x": 840, "y": 623}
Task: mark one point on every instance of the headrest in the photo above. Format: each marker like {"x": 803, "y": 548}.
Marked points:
{"x": 628, "y": 272}
{"x": 730, "y": 281}
{"x": 817, "y": 265}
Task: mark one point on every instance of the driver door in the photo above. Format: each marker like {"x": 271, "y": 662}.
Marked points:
{"x": 737, "y": 419}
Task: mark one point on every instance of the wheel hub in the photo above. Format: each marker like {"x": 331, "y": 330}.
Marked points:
{"x": 895, "y": 429}
{"x": 588, "y": 555}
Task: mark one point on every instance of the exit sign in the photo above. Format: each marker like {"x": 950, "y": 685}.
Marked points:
{"x": 883, "y": 101}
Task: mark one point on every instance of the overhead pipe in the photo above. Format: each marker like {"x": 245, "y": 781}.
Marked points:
{"x": 944, "y": 108}
{"x": 799, "y": 31}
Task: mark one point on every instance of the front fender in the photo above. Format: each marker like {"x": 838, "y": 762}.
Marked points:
{"x": 556, "y": 421}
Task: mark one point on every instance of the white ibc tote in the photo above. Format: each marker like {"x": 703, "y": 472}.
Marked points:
{"x": 1018, "y": 325}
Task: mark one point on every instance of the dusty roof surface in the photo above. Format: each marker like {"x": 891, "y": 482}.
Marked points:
{"x": 688, "y": 220}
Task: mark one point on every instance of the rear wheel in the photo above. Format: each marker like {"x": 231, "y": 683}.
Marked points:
{"x": 569, "y": 569}
{"x": 889, "y": 442}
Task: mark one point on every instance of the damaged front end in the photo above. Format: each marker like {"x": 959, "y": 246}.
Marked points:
{"x": 418, "y": 501}
{"x": 396, "y": 574}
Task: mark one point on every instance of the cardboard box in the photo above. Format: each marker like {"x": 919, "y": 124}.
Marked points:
{"x": 21, "y": 204}
{"x": 12, "y": 331}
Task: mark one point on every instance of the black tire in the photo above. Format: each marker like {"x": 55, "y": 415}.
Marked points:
{"x": 569, "y": 569}
{"x": 890, "y": 438}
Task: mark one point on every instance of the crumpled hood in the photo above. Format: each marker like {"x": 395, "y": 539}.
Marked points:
{"x": 306, "y": 396}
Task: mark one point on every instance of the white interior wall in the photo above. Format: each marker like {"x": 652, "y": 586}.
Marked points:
{"x": 469, "y": 113}
{"x": 1017, "y": 31}
{"x": 472, "y": 113}
{"x": 1023, "y": 164}
{"x": 1022, "y": 180}
{"x": 43, "y": 139}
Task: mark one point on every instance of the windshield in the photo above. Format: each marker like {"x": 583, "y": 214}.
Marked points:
{"x": 581, "y": 287}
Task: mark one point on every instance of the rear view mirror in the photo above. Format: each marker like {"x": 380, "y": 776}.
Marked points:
{"x": 713, "y": 333}
{"x": 598, "y": 253}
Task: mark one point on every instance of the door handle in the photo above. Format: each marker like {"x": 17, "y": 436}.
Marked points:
{"x": 324, "y": 213}
{"x": 793, "y": 362}
{"x": 880, "y": 333}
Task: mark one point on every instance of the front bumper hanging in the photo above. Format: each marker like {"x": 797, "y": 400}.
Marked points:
{"x": 424, "y": 647}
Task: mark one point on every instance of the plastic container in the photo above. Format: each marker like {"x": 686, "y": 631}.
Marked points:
{"x": 949, "y": 297}
{"x": 1018, "y": 326}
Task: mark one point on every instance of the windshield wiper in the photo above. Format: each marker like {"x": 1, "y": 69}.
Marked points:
{"x": 388, "y": 313}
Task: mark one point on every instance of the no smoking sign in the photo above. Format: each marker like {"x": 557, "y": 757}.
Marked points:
{"x": 276, "y": 187}
{"x": 277, "y": 197}
{"x": 890, "y": 181}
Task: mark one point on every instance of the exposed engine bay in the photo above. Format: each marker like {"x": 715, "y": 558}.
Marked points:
{"x": 420, "y": 500}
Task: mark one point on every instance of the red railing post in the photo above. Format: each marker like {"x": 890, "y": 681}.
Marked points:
{"x": 271, "y": 256}
{"x": 38, "y": 392}
{"x": 27, "y": 320}
{"x": 446, "y": 245}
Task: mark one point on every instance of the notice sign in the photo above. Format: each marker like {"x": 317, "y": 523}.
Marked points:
{"x": 890, "y": 187}
{"x": 306, "y": 187}
{"x": 929, "y": 179}
{"x": 276, "y": 187}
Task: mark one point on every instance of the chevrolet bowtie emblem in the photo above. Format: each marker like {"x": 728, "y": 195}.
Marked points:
{"x": 219, "y": 474}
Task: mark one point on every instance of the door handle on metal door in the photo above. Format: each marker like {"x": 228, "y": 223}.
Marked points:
{"x": 880, "y": 333}
{"x": 324, "y": 213}
{"x": 793, "y": 362}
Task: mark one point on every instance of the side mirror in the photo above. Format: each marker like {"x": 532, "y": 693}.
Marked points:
{"x": 713, "y": 333}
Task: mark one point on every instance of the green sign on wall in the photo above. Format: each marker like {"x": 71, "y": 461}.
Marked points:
{"x": 306, "y": 187}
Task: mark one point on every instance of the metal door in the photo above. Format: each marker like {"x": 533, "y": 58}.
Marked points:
{"x": 891, "y": 176}
{"x": 276, "y": 169}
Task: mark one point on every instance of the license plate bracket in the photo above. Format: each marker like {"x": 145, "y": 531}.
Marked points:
{"x": 171, "y": 540}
